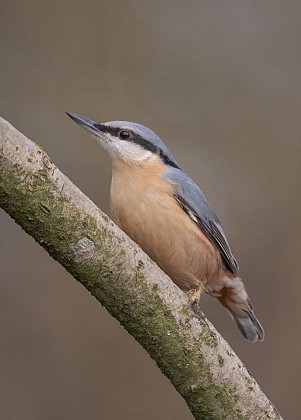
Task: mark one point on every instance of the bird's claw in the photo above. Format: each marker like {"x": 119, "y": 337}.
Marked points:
{"x": 194, "y": 297}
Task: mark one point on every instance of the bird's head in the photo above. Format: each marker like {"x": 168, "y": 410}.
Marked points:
{"x": 127, "y": 141}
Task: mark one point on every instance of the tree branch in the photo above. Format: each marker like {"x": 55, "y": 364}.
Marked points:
{"x": 186, "y": 347}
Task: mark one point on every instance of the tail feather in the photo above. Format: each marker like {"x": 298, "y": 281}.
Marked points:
{"x": 233, "y": 295}
{"x": 250, "y": 327}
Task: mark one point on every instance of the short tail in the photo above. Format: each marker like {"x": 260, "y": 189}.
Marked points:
{"x": 249, "y": 326}
{"x": 233, "y": 295}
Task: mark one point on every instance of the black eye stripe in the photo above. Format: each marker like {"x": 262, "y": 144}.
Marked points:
{"x": 111, "y": 130}
{"x": 168, "y": 161}
{"x": 135, "y": 138}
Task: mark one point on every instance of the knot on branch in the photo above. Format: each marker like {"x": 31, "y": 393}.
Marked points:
{"x": 82, "y": 250}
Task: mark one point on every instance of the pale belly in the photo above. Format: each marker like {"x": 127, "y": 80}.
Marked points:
{"x": 168, "y": 235}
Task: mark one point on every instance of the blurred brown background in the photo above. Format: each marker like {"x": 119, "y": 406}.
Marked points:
{"x": 220, "y": 82}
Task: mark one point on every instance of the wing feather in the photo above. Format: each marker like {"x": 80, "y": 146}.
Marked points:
{"x": 194, "y": 203}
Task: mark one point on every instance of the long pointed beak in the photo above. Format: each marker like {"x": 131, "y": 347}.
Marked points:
{"x": 84, "y": 122}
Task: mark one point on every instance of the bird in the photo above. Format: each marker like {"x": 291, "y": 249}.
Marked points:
{"x": 165, "y": 212}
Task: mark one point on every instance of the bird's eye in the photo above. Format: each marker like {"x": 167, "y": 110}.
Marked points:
{"x": 124, "y": 134}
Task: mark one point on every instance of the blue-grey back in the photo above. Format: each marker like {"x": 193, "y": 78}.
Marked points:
{"x": 194, "y": 202}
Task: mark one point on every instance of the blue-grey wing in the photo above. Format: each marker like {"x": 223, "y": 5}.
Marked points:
{"x": 195, "y": 204}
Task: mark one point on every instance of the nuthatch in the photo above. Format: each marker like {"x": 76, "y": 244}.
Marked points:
{"x": 164, "y": 211}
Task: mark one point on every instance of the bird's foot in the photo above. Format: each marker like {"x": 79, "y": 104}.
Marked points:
{"x": 194, "y": 297}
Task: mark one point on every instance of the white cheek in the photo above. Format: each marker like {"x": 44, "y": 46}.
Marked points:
{"x": 122, "y": 149}
{"x": 133, "y": 152}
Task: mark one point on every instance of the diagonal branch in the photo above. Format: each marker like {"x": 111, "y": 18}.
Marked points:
{"x": 186, "y": 347}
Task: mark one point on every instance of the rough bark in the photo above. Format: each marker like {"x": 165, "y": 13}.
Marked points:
{"x": 186, "y": 347}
